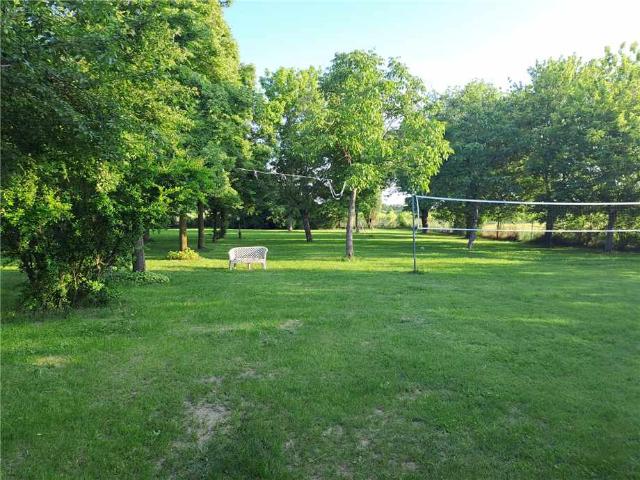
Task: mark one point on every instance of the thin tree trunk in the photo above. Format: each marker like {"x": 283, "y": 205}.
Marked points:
{"x": 146, "y": 236}
{"x": 222, "y": 224}
{"x": 549, "y": 224}
{"x": 611, "y": 224}
{"x": 290, "y": 223}
{"x": 351, "y": 213}
{"x": 357, "y": 224}
{"x": 214, "y": 225}
{"x": 182, "y": 233}
{"x": 201, "y": 233}
{"x": 474, "y": 224}
{"x": 307, "y": 226}
{"x": 139, "y": 264}
{"x": 239, "y": 227}
{"x": 424, "y": 218}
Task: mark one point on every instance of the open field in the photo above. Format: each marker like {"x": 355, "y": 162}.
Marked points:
{"x": 508, "y": 361}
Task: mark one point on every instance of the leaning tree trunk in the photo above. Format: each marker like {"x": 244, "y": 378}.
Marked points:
{"x": 474, "y": 224}
{"x": 424, "y": 218}
{"x": 351, "y": 213}
{"x": 139, "y": 264}
{"x": 201, "y": 233}
{"x": 611, "y": 224}
{"x": 182, "y": 233}
{"x": 307, "y": 226}
{"x": 549, "y": 224}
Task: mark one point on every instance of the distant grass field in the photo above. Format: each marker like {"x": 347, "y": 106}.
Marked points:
{"x": 508, "y": 361}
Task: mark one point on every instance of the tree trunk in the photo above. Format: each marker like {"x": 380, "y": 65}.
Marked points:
{"x": 424, "y": 218}
{"x": 611, "y": 224}
{"x": 351, "y": 213}
{"x": 474, "y": 224}
{"x": 139, "y": 264}
{"x": 357, "y": 224}
{"x": 223, "y": 224}
{"x": 146, "y": 236}
{"x": 182, "y": 233}
{"x": 214, "y": 225}
{"x": 200, "y": 226}
{"x": 549, "y": 224}
{"x": 307, "y": 225}
{"x": 239, "y": 227}
{"x": 290, "y": 223}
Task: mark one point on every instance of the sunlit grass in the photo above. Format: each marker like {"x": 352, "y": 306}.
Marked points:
{"x": 504, "y": 361}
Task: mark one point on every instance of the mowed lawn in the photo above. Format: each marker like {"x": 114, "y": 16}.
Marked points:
{"x": 509, "y": 361}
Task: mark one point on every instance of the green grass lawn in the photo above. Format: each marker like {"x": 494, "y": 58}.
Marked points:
{"x": 509, "y": 361}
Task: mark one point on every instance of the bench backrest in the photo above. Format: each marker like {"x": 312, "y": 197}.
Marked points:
{"x": 248, "y": 253}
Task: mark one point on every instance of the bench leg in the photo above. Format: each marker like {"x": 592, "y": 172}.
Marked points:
{"x": 264, "y": 265}
{"x": 249, "y": 265}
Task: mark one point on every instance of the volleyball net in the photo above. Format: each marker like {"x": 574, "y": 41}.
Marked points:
{"x": 581, "y": 222}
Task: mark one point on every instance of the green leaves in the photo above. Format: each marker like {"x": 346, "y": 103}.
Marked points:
{"x": 114, "y": 114}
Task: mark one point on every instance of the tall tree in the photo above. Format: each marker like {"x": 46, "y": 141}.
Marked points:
{"x": 553, "y": 135}
{"x": 84, "y": 120}
{"x": 99, "y": 113}
{"x": 610, "y": 102}
{"x": 380, "y": 127}
{"x": 294, "y": 126}
{"x": 478, "y": 131}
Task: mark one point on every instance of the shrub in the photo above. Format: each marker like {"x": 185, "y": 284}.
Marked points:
{"x": 137, "y": 278}
{"x": 187, "y": 254}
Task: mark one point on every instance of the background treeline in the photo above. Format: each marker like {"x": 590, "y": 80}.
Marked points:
{"x": 571, "y": 134}
{"x": 119, "y": 118}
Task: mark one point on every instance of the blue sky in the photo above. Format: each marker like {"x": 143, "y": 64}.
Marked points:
{"x": 446, "y": 43}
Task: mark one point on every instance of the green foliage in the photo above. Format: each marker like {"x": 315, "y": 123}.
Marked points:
{"x": 114, "y": 115}
{"x": 187, "y": 254}
{"x": 479, "y": 129}
{"x": 293, "y": 126}
{"x": 571, "y": 134}
{"x": 136, "y": 278}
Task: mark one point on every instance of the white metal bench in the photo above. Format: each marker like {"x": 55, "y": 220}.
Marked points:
{"x": 248, "y": 255}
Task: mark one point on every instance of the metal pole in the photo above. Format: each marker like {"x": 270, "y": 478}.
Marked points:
{"x": 413, "y": 229}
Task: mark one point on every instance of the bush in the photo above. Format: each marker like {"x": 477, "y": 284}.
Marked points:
{"x": 187, "y": 254}
{"x": 137, "y": 278}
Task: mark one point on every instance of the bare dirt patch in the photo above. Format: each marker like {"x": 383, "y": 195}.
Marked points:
{"x": 249, "y": 373}
{"x": 290, "y": 325}
{"x": 206, "y": 418}
{"x": 51, "y": 361}
{"x": 409, "y": 466}
{"x": 214, "y": 380}
{"x": 333, "y": 431}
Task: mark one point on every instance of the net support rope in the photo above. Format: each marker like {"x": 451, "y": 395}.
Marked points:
{"x": 326, "y": 181}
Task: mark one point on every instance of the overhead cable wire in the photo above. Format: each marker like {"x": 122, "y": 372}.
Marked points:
{"x": 326, "y": 181}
